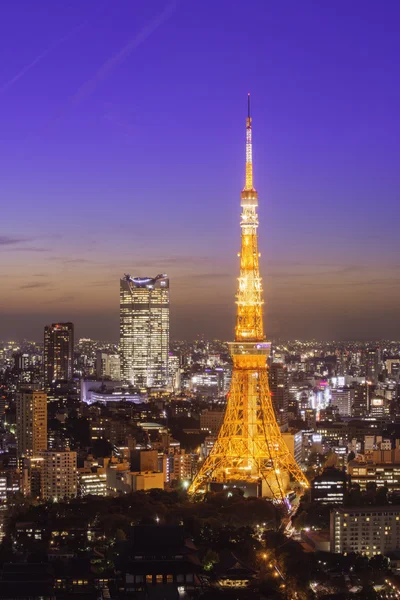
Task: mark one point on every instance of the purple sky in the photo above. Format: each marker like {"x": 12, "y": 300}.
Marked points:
{"x": 122, "y": 134}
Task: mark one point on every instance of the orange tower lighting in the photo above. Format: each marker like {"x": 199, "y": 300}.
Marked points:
{"x": 249, "y": 447}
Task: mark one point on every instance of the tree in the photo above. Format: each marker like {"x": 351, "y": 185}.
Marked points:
{"x": 120, "y": 535}
{"x": 210, "y": 559}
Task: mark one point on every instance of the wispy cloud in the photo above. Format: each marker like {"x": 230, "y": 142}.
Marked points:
{"x": 31, "y": 249}
{"x": 77, "y": 261}
{"x": 34, "y": 285}
{"x": 25, "y": 69}
{"x": 106, "y": 69}
{"x": 9, "y": 240}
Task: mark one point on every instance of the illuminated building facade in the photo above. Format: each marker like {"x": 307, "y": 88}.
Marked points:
{"x": 361, "y": 400}
{"x": 144, "y": 330}
{"x": 92, "y": 482}
{"x": 373, "y": 364}
{"x": 31, "y": 409}
{"x": 249, "y": 449}
{"x": 329, "y": 487}
{"x": 59, "y": 475}
{"x": 369, "y": 530}
{"x": 58, "y": 352}
{"x": 343, "y": 399}
{"x": 108, "y": 366}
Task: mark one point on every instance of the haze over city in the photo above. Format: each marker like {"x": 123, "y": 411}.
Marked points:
{"x": 123, "y": 152}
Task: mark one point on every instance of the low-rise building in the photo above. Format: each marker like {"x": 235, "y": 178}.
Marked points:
{"x": 92, "y": 482}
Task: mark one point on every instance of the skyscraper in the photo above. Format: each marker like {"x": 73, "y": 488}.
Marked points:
{"x": 31, "y": 422}
{"x": 58, "y": 352}
{"x": 278, "y": 384}
{"x": 373, "y": 364}
{"x": 144, "y": 330}
{"x": 250, "y": 449}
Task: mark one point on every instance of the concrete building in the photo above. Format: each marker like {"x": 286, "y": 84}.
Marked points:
{"x": 31, "y": 409}
{"x": 361, "y": 400}
{"x": 59, "y": 475}
{"x": 278, "y": 385}
{"x": 343, "y": 398}
{"x": 329, "y": 487}
{"x": 3, "y": 489}
{"x": 108, "y": 365}
{"x": 294, "y": 441}
{"x": 144, "y": 460}
{"x": 373, "y": 364}
{"x": 92, "y": 482}
{"x": 381, "y": 467}
{"x": 367, "y": 530}
{"x": 182, "y": 466}
{"x": 211, "y": 421}
{"x": 146, "y": 481}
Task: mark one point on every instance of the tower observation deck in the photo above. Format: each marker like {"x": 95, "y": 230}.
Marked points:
{"x": 250, "y": 448}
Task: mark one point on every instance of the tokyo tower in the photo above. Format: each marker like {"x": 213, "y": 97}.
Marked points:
{"x": 250, "y": 448}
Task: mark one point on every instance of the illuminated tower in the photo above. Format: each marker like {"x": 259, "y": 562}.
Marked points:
{"x": 249, "y": 447}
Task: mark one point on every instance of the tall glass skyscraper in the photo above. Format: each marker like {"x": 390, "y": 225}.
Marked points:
{"x": 58, "y": 352}
{"x": 144, "y": 330}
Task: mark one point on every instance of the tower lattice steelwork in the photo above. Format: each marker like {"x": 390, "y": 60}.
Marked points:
{"x": 250, "y": 447}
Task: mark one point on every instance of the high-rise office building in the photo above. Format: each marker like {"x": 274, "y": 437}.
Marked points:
{"x": 108, "y": 365}
{"x": 361, "y": 400}
{"x": 58, "y": 352}
{"x": 144, "y": 330}
{"x": 31, "y": 422}
{"x": 343, "y": 398}
{"x": 373, "y": 364}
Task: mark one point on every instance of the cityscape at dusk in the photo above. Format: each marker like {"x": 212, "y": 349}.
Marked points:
{"x": 199, "y": 340}
{"x": 121, "y": 125}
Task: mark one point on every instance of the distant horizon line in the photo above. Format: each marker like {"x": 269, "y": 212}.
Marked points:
{"x": 275, "y": 340}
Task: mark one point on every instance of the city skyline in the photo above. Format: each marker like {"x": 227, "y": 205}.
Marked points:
{"x": 85, "y": 201}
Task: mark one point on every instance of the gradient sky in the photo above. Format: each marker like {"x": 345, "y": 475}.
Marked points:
{"x": 122, "y": 151}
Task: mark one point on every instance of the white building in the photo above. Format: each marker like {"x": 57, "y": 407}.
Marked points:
{"x": 367, "y": 530}
{"x": 108, "y": 365}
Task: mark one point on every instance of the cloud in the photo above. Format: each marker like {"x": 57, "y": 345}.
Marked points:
{"x": 106, "y": 69}
{"x": 104, "y": 283}
{"x": 31, "y": 249}
{"x": 203, "y": 276}
{"x": 64, "y": 299}
{"x": 8, "y": 240}
{"x": 76, "y": 261}
{"x": 174, "y": 260}
{"x": 31, "y": 286}
{"x": 7, "y": 243}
